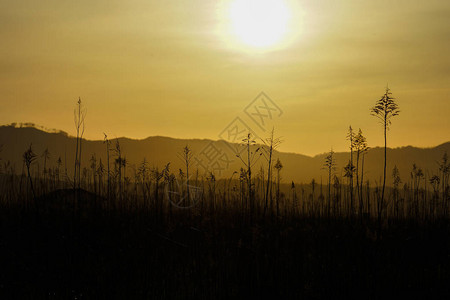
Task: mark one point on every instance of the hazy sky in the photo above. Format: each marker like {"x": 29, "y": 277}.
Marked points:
{"x": 172, "y": 68}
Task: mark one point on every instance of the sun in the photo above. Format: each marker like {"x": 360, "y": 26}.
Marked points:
{"x": 259, "y": 23}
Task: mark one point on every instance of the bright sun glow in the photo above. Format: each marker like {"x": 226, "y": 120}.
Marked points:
{"x": 259, "y": 23}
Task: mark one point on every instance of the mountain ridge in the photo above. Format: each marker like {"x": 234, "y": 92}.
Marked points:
{"x": 62, "y": 132}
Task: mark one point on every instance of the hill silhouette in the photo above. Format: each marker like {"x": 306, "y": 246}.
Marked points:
{"x": 158, "y": 151}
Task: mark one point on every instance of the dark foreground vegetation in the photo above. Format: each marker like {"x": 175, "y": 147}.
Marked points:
{"x": 86, "y": 249}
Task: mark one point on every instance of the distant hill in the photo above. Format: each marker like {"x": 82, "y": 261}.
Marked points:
{"x": 159, "y": 151}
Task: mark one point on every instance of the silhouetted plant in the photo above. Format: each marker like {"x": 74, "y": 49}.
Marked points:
{"x": 157, "y": 176}
{"x": 349, "y": 170}
{"x": 186, "y": 157}
{"x": 272, "y": 143}
{"x": 252, "y": 157}
{"x": 444, "y": 168}
{"x": 337, "y": 195}
{"x": 212, "y": 189}
{"x": 229, "y": 183}
{"x": 361, "y": 148}
{"x": 294, "y": 198}
{"x": 416, "y": 176}
{"x": 1, "y": 149}
{"x": 434, "y": 181}
{"x": 242, "y": 180}
{"x": 385, "y": 109}
{"x": 351, "y": 138}
{"x": 312, "y": 196}
{"x": 94, "y": 171}
{"x": 108, "y": 143}
{"x": 278, "y": 166}
{"x": 45, "y": 155}
{"x": 58, "y": 170}
{"x": 120, "y": 163}
{"x": 330, "y": 165}
{"x": 85, "y": 180}
{"x": 28, "y": 158}
{"x": 100, "y": 172}
{"x": 143, "y": 170}
{"x": 79, "y": 115}
{"x": 396, "y": 182}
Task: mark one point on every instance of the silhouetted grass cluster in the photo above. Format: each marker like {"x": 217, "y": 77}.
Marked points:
{"x": 141, "y": 243}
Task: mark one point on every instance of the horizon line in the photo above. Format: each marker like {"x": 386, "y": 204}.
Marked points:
{"x": 59, "y": 131}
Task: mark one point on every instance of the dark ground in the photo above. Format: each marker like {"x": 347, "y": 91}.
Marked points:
{"x": 57, "y": 255}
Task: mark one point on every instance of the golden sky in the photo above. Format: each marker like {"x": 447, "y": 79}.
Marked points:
{"x": 173, "y": 68}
